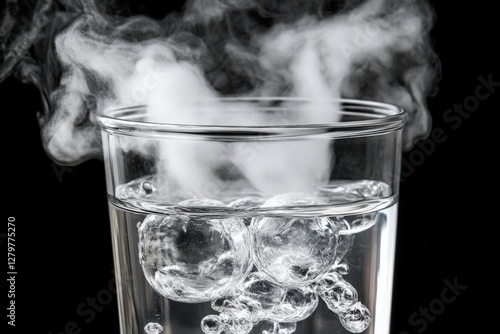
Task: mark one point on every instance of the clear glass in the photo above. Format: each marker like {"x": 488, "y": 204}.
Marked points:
{"x": 274, "y": 224}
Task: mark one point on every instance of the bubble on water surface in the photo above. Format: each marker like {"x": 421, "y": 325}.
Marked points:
{"x": 140, "y": 188}
{"x": 248, "y": 203}
{"x": 341, "y": 268}
{"x": 193, "y": 259}
{"x": 345, "y": 192}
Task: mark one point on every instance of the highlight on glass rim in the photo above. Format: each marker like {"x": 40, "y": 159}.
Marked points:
{"x": 252, "y": 149}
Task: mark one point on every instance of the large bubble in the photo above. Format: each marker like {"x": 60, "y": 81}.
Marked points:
{"x": 193, "y": 259}
{"x": 294, "y": 251}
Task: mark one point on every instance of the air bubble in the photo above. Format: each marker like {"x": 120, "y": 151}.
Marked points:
{"x": 247, "y": 202}
{"x": 153, "y": 328}
{"x": 236, "y": 325}
{"x": 253, "y": 299}
{"x": 294, "y": 251}
{"x": 259, "y": 299}
{"x": 193, "y": 259}
{"x": 212, "y": 324}
{"x": 341, "y": 268}
{"x": 148, "y": 188}
{"x": 338, "y": 294}
{"x": 356, "y": 319}
{"x": 298, "y": 304}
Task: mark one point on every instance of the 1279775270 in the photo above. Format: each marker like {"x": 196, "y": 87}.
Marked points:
{"x": 11, "y": 270}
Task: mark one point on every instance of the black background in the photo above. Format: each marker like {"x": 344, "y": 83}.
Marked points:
{"x": 447, "y": 214}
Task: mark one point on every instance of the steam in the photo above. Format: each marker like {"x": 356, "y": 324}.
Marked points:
{"x": 88, "y": 56}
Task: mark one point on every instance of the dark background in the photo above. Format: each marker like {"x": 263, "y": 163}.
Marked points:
{"x": 63, "y": 244}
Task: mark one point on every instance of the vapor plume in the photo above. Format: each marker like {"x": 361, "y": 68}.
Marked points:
{"x": 85, "y": 56}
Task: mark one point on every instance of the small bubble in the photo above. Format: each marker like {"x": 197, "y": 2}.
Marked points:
{"x": 356, "y": 319}
{"x": 327, "y": 281}
{"x": 341, "y": 268}
{"x": 253, "y": 299}
{"x": 338, "y": 294}
{"x": 212, "y": 324}
{"x": 266, "y": 327}
{"x": 236, "y": 325}
{"x": 266, "y": 293}
{"x": 153, "y": 328}
{"x": 361, "y": 222}
{"x": 148, "y": 188}
{"x": 287, "y": 327}
{"x": 238, "y": 305}
{"x": 298, "y": 304}
{"x": 345, "y": 240}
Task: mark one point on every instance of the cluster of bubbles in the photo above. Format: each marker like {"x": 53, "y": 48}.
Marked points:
{"x": 342, "y": 298}
{"x": 260, "y": 301}
{"x": 265, "y": 273}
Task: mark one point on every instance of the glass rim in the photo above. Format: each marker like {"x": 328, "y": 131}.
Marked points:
{"x": 380, "y": 117}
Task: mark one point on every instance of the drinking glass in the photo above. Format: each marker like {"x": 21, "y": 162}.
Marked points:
{"x": 254, "y": 215}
